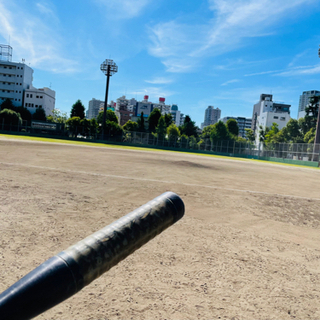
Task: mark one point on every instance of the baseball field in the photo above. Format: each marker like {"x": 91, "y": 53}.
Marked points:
{"x": 248, "y": 246}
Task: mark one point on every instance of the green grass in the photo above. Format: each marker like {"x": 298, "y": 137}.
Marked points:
{"x": 115, "y": 146}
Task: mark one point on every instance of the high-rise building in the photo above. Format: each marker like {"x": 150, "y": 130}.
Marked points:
{"x": 16, "y": 85}
{"x": 176, "y": 115}
{"x": 304, "y": 101}
{"x": 243, "y": 123}
{"x": 211, "y": 116}
{"x": 94, "y": 108}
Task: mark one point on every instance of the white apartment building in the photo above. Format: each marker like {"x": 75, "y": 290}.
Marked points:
{"x": 269, "y": 113}
{"x": 15, "y": 78}
{"x": 304, "y": 101}
{"x": 39, "y": 98}
{"x": 211, "y": 116}
{"x": 16, "y": 84}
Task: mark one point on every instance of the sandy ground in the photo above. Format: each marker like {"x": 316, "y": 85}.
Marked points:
{"x": 247, "y": 248}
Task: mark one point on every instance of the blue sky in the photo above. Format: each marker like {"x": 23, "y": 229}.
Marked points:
{"x": 195, "y": 53}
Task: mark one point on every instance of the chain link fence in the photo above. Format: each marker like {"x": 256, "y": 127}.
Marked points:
{"x": 285, "y": 151}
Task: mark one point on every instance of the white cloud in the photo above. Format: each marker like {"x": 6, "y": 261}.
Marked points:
{"x": 33, "y": 39}
{"x": 123, "y": 9}
{"x": 160, "y": 80}
{"x": 230, "y": 81}
{"x": 300, "y": 71}
{"x": 181, "y": 46}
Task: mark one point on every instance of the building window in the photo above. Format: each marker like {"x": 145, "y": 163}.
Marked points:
{"x": 41, "y": 97}
{"x": 283, "y": 118}
{"x": 275, "y": 117}
{"x": 37, "y": 97}
{"x": 19, "y": 91}
{"x": 36, "y": 106}
{"x": 21, "y": 68}
{"x": 17, "y": 83}
{"x": 20, "y": 84}
{"x": 21, "y": 76}
{"x": 27, "y": 95}
{"x": 30, "y": 95}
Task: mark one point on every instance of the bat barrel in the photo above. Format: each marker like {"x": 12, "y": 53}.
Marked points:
{"x": 69, "y": 271}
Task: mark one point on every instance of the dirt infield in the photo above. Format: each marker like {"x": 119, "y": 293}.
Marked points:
{"x": 247, "y": 248}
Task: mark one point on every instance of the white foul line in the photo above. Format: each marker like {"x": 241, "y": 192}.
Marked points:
{"x": 154, "y": 180}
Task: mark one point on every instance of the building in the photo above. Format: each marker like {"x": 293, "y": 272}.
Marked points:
{"x": 269, "y": 112}
{"x": 124, "y": 109}
{"x": 243, "y": 123}
{"x": 176, "y": 115}
{"x": 304, "y": 101}
{"x": 39, "y": 98}
{"x": 94, "y": 108}
{"x": 211, "y": 116}
{"x": 164, "y": 108}
{"x": 16, "y": 84}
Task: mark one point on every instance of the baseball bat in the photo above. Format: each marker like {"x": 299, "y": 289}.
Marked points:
{"x": 69, "y": 271}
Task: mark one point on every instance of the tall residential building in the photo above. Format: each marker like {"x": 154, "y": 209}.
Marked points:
{"x": 243, "y": 123}
{"x": 176, "y": 115}
{"x": 266, "y": 112}
{"x": 304, "y": 101}
{"x": 94, "y": 108}
{"x": 211, "y": 116}
{"x": 16, "y": 85}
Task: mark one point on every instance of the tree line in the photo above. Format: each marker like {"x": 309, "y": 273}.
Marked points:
{"x": 162, "y": 127}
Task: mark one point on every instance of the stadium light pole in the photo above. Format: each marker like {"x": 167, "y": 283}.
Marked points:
{"x": 108, "y": 67}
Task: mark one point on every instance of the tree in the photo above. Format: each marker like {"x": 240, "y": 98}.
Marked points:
{"x": 153, "y": 119}
{"x": 219, "y": 132}
{"x": 168, "y": 119}
{"x": 189, "y": 128}
{"x": 250, "y": 135}
{"x": 173, "y": 133}
{"x": 74, "y": 125}
{"x": 293, "y": 131}
{"x": 113, "y": 129}
{"x": 93, "y": 127}
{"x": 85, "y": 127}
{"x": 7, "y": 104}
{"x": 206, "y": 132}
{"x": 130, "y": 126}
{"x": 77, "y": 110}
{"x": 232, "y": 126}
{"x": 309, "y": 137}
{"x": 110, "y": 115}
{"x": 140, "y": 122}
{"x": 271, "y": 135}
{"x": 10, "y": 117}
{"x": 40, "y": 115}
{"x": 262, "y": 134}
{"x": 57, "y": 116}
{"x": 161, "y": 128}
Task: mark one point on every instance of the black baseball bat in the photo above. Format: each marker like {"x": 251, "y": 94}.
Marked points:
{"x": 69, "y": 271}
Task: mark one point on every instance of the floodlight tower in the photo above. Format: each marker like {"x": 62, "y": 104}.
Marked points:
{"x": 108, "y": 67}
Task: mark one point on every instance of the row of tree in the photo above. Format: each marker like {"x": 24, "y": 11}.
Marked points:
{"x": 162, "y": 126}
{"x": 15, "y": 116}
